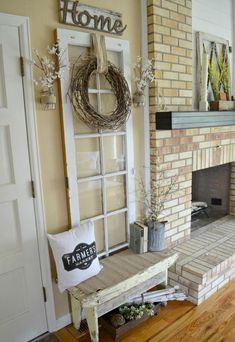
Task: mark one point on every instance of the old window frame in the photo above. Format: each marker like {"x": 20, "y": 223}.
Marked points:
{"x": 82, "y": 39}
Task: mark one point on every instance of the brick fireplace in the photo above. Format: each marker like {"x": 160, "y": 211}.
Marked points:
{"x": 180, "y": 152}
{"x": 206, "y": 257}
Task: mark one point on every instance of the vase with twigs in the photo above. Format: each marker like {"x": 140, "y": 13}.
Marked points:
{"x": 154, "y": 200}
{"x": 144, "y": 74}
{"x": 48, "y": 69}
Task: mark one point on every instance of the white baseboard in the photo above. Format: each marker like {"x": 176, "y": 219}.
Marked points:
{"x": 66, "y": 320}
{"x": 63, "y": 321}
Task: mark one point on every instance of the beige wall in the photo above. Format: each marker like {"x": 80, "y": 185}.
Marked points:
{"x": 44, "y": 19}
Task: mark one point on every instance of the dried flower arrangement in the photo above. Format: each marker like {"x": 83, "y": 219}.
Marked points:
{"x": 144, "y": 73}
{"x": 154, "y": 204}
{"x": 155, "y": 198}
{"x": 50, "y": 69}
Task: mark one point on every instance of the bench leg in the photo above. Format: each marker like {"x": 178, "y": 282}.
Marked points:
{"x": 92, "y": 321}
{"x": 76, "y": 312}
{"x": 166, "y": 278}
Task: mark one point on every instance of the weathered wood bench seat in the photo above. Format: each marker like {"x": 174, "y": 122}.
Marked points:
{"x": 124, "y": 275}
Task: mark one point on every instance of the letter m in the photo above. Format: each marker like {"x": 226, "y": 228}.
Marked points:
{"x": 100, "y": 22}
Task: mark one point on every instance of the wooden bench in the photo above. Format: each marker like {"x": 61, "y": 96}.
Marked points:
{"x": 124, "y": 275}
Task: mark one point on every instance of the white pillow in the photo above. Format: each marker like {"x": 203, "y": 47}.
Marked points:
{"x": 75, "y": 255}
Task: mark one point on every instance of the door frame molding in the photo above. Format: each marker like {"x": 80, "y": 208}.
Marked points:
{"x": 22, "y": 23}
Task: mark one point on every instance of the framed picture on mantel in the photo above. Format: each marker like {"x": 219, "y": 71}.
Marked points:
{"x": 213, "y": 73}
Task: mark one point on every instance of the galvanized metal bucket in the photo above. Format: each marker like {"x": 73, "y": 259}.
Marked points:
{"x": 156, "y": 236}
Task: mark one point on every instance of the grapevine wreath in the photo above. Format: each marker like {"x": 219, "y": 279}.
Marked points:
{"x": 82, "y": 71}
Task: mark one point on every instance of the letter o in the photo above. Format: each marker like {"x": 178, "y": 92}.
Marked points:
{"x": 87, "y": 16}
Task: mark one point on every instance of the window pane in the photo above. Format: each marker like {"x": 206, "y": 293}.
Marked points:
{"x": 120, "y": 129}
{"x": 93, "y": 100}
{"x": 108, "y": 104}
{"x": 114, "y": 57}
{"x": 104, "y": 83}
{"x": 115, "y": 192}
{"x": 114, "y": 153}
{"x": 99, "y": 235}
{"x": 80, "y": 126}
{"x": 92, "y": 81}
{"x": 74, "y": 53}
{"x": 90, "y": 199}
{"x": 87, "y": 157}
{"x": 117, "y": 233}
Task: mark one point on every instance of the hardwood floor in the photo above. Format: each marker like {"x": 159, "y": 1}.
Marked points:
{"x": 212, "y": 321}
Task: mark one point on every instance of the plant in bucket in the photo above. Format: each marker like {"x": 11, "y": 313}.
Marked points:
{"x": 154, "y": 204}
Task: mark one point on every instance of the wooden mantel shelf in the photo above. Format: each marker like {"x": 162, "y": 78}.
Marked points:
{"x": 182, "y": 120}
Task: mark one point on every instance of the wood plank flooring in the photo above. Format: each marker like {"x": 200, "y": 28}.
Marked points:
{"x": 212, "y": 321}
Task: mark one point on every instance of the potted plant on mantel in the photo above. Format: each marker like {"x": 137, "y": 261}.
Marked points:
{"x": 154, "y": 200}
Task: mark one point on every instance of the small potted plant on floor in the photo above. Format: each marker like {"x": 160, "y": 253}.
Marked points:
{"x": 136, "y": 311}
{"x": 128, "y": 316}
{"x": 154, "y": 200}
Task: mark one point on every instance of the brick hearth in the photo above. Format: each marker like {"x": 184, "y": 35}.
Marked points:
{"x": 207, "y": 261}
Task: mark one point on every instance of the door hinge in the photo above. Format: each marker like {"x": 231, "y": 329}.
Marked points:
{"x": 33, "y": 189}
{"x": 22, "y": 66}
{"x": 44, "y": 294}
{"x": 67, "y": 183}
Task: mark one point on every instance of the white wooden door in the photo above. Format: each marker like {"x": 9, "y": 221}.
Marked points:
{"x": 22, "y": 307}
